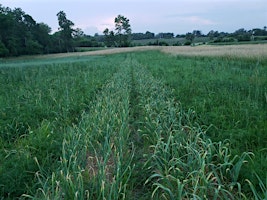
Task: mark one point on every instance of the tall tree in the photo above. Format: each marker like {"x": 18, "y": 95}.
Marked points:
{"x": 197, "y": 33}
{"x": 42, "y": 35}
{"x": 211, "y": 35}
{"x": 66, "y": 31}
{"x": 123, "y": 28}
{"x": 109, "y": 37}
{"x": 6, "y": 21}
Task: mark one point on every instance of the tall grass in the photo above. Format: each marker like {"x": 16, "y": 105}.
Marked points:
{"x": 38, "y": 103}
{"x": 227, "y": 93}
{"x": 96, "y": 154}
{"x": 55, "y": 92}
{"x": 183, "y": 162}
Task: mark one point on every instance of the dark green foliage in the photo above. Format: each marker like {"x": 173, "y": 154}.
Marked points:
{"x": 190, "y": 37}
{"x": 110, "y": 38}
{"x": 123, "y": 28}
{"x": 143, "y": 36}
{"x": 158, "y": 43}
{"x": 19, "y": 168}
{"x": 65, "y": 32}
{"x": 20, "y": 34}
{"x": 164, "y": 35}
{"x": 242, "y": 35}
{"x": 120, "y": 38}
{"x": 187, "y": 43}
{"x": 3, "y": 50}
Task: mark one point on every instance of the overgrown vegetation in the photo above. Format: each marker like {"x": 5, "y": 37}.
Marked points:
{"x": 227, "y": 93}
{"x": 38, "y": 102}
{"x": 133, "y": 126}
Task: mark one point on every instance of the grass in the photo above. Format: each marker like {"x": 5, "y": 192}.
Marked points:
{"x": 43, "y": 60}
{"x": 140, "y": 125}
{"x": 38, "y": 102}
{"x": 180, "y": 161}
{"x": 232, "y": 51}
{"x": 245, "y": 51}
{"x": 228, "y": 94}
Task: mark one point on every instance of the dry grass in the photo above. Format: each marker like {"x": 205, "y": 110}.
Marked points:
{"x": 250, "y": 50}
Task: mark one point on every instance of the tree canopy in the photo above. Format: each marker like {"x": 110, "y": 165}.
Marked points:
{"x": 120, "y": 38}
{"x": 66, "y": 32}
{"x": 20, "y": 34}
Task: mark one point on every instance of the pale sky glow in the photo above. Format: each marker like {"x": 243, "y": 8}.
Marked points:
{"x": 179, "y": 17}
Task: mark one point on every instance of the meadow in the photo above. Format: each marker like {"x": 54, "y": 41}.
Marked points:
{"x": 135, "y": 123}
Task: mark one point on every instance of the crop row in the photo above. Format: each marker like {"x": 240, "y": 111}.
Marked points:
{"x": 133, "y": 140}
{"x": 137, "y": 141}
{"x": 227, "y": 94}
{"x": 37, "y": 104}
{"x": 182, "y": 162}
{"x": 96, "y": 154}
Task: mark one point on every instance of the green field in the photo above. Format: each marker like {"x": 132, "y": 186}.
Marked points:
{"x": 135, "y": 125}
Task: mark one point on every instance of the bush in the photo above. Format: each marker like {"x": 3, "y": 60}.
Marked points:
{"x": 158, "y": 43}
{"x": 259, "y": 38}
{"x": 187, "y": 43}
{"x": 243, "y": 37}
{"x": 228, "y": 39}
{"x": 177, "y": 44}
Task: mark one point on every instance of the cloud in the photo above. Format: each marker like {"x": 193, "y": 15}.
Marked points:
{"x": 95, "y": 24}
{"x": 91, "y": 30}
{"x": 195, "y": 20}
{"x": 106, "y": 23}
{"x": 199, "y": 20}
{"x": 152, "y": 15}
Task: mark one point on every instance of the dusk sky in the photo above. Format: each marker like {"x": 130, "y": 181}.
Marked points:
{"x": 178, "y": 17}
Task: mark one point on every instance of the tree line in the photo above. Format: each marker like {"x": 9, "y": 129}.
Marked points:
{"x": 20, "y": 34}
